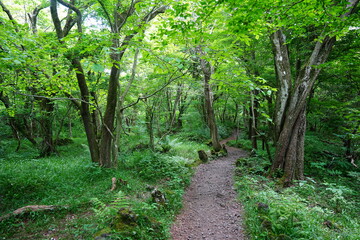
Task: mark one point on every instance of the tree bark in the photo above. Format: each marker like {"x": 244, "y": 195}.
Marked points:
{"x": 47, "y": 146}
{"x": 149, "y": 115}
{"x": 107, "y": 136}
{"x": 175, "y": 106}
{"x": 208, "y": 94}
{"x": 107, "y": 130}
{"x": 120, "y": 104}
{"x": 253, "y": 120}
{"x": 82, "y": 84}
{"x": 290, "y": 119}
{"x": 17, "y": 127}
{"x": 90, "y": 127}
{"x": 283, "y": 72}
{"x": 101, "y": 152}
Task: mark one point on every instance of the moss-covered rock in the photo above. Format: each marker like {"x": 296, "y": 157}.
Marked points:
{"x": 125, "y": 220}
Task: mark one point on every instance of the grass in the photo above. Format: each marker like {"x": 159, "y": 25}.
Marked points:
{"x": 323, "y": 206}
{"x": 71, "y": 181}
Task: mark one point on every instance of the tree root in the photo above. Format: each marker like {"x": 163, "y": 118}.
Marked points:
{"x": 30, "y": 208}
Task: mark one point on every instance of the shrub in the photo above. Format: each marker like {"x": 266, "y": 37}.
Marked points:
{"x": 308, "y": 210}
{"x": 241, "y": 143}
{"x": 154, "y": 166}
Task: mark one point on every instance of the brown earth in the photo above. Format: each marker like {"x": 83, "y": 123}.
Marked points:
{"x": 210, "y": 207}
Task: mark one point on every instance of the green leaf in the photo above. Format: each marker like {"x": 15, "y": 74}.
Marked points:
{"x": 98, "y": 68}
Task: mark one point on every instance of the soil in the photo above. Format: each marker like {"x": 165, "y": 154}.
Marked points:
{"x": 210, "y": 207}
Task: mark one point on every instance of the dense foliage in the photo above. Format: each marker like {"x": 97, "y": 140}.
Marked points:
{"x": 323, "y": 206}
{"x": 96, "y": 89}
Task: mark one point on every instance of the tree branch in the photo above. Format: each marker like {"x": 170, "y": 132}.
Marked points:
{"x": 133, "y": 72}
{"x": 124, "y": 16}
{"x": 107, "y": 15}
{"x": 33, "y": 16}
{"x": 8, "y": 13}
{"x": 69, "y": 98}
{"x": 146, "y": 19}
{"x": 152, "y": 94}
{"x": 56, "y": 20}
{"x": 351, "y": 8}
{"x": 76, "y": 10}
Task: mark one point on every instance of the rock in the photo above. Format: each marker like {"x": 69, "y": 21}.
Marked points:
{"x": 225, "y": 151}
{"x": 330, "y": 225}
{"x": 203, "y": 156}
{"x": 266, "y": 224}
{"x": 103, "y": 236}
{"x": 262, "y": 207}
{"x": 125, "y": 220}
{"x": 149, "y": 187}
{"x": 158, "y": 197}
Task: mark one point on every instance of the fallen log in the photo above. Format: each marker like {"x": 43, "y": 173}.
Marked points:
{"x": 30, "y": 208}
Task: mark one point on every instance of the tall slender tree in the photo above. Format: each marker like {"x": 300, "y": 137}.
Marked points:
{"x": 116, "y": 14}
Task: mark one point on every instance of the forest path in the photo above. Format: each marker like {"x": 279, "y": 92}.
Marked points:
{"x": 210, "y": 208}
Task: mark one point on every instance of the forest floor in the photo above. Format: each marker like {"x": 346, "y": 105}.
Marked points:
{"x": 211, "y": 210}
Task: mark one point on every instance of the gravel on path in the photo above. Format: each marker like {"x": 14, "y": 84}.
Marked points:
{"x": 210, "y": 207}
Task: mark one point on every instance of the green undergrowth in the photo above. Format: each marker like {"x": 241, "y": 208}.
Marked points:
{"x": 240, "y": 143}
{"x": 77, "y": 187}
{"x": 323, "y": 206}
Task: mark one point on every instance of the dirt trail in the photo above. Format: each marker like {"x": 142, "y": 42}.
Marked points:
{"x": 210, "y": 207}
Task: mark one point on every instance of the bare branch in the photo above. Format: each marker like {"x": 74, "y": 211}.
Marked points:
{"x": 152, "y": 14}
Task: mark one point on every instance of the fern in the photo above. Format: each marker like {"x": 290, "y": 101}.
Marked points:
{"x": 106, "y": 213}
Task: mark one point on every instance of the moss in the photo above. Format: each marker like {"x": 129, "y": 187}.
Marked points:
{"x": 125, "y": 220}
{"x": 102, "y": 232}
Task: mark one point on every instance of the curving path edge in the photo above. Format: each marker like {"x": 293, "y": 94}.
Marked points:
{"x": 210, "y": 207}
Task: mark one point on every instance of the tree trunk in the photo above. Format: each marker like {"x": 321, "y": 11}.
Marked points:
{"x": 211, "y": 115}
{"x": 283, "y": 72}
{"x": 175, "y": 107}
{"x": 149, "y": 126}
{"x": 209, "y": 110}
{"x": 235, "y": 119}
{"x": 290, "y": 119}
{"x": 17, "y": 127}
{"x": 90, "y": 127}
{"x": 107, "y": 136}
{"x": 107, "y": 130}
{"x": 102, "y": 152}
{"x": 223, "y": 115}
{"x": 169, "y": 108}
{"x": 95, "y": 114}
{"x": 253, "y": 120}
{"x": 47, "y": 145}
{"x": 182, "y": 108}
{"x": 70, "y": 128}
{"x": 294, "y": 157}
